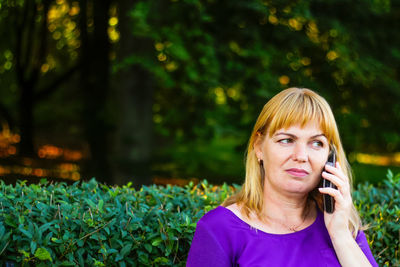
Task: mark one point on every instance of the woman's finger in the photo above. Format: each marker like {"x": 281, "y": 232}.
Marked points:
{"x": 333, "y": 178}
{"x": 332, "y": 192}
{"x": 338, "y": 172}
{"x": 340, "y": 184}
{"x": 343, "y": 200}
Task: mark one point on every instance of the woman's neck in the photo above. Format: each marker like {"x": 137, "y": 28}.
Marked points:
{"x": 290, "y": 209}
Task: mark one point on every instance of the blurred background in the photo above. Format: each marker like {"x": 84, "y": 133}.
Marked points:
{"x": 167, "y": 91}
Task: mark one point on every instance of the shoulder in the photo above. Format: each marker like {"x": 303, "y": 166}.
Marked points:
{"x": 210, "y": 245}
{"x": 216, "y": 218}
{"x": 215, "y": 235}
{"x": 221, "y": 223}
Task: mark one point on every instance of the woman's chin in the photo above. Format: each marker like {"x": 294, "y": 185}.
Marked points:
{"x": 299, "y": 188}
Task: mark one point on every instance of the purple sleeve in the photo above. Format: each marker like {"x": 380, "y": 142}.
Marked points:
{"x": 363, "y": 243}
{"x": 205, "y": 249}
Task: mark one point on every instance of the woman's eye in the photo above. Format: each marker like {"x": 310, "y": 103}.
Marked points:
{"x": 286, "y": 141}
{"x": 317, "y": 144}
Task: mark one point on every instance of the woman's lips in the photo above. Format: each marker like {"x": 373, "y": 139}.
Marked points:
{"x": 297, "y": 172}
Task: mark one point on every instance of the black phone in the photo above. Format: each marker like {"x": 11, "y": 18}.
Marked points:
{"x": 329, "y": 202}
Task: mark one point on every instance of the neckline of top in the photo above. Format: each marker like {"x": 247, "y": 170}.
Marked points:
{"x": 319, "y": 213}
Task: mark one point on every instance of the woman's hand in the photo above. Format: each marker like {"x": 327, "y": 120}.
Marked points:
{"x": 337, "y": 223}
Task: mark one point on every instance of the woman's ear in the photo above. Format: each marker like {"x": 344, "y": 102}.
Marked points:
{"x": 257, "y": 145}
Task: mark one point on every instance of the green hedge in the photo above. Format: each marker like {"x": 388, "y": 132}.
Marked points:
{"x": 379, "y": 207}
{"x": 93, "y": 224}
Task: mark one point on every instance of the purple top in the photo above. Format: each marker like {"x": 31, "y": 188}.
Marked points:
{"x": 223, "y": 239}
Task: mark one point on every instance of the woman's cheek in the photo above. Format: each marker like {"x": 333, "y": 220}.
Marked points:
{"x": 319, "y": 161}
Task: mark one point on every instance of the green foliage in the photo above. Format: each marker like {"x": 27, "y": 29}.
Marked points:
{"x": 92, "y": 224}
{"x": 213, "y": 64}
{"x": 205, "y": 159}
{"x": 219, "y": 62}
{"x": 379, "y": 208}
{"x": 372, "y": 174}
{"x": 343, "y": 49}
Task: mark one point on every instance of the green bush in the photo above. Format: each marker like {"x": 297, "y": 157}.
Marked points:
{"x": 90, "y": 224}
{"x": 93, "y": 224}
{"x": 379, "y": 207}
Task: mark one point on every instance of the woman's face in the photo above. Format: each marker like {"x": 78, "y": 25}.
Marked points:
{"x": 293, "y": 158}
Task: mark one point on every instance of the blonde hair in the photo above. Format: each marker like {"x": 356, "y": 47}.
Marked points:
{"x": 289, "y": 107}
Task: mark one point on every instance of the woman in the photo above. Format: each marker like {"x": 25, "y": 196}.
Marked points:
{"x": 277, "y": 217}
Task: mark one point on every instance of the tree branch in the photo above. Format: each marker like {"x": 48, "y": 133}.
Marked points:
{"x": 48, "y": 90}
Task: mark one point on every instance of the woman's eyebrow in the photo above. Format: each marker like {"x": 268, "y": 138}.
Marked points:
{"x": 318, "y": 135}
{"x": 294, "y": 136}
{"x": 282, "y": 133}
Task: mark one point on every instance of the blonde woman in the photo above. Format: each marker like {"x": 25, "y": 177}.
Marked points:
{"x": 278, "y": 218}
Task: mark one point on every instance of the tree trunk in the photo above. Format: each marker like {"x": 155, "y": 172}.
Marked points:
{"x": 133, "y": 140}
{"x": 95, "y": 81}
{"x": 28, "y": 63}
{"x": 26, "y": 120}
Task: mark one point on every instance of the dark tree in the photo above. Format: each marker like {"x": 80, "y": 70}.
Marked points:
{"x": 135, "y": 88}
{"x": 95, "y": 77}
{"x": 30, "y": 46}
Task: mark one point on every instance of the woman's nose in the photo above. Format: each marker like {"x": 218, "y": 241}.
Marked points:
{"x": 300, "y": 153}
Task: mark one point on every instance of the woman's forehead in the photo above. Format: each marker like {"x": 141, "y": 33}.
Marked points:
{"x": 309, "y": 129}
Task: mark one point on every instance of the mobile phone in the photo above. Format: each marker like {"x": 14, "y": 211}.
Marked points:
{"x": 329, "y": 202}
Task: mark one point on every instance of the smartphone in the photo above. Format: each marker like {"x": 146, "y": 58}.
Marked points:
{"x": 329, "y": 202}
